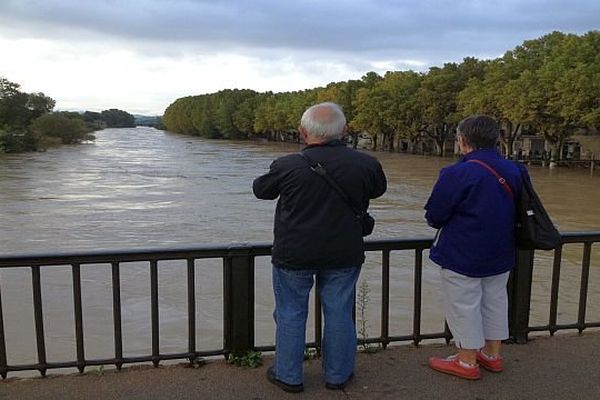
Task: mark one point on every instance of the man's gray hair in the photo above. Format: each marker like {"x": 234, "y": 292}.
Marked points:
{"x": 324, "y": 121}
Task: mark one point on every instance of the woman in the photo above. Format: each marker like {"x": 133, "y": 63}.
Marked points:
{"x": 472, "y": 204}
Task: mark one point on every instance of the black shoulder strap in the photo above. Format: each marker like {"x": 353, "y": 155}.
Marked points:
{"x": 321, "y": 171}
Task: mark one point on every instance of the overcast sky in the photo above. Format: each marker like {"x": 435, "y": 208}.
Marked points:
{"x": 140, "y": 55}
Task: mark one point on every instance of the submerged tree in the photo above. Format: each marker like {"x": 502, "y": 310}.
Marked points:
{"x": 61, "y": 129}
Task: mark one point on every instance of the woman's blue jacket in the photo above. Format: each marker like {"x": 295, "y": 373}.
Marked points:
{"x": 475, "y": 215}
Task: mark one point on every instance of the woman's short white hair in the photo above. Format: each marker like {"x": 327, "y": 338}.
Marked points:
{"x": 324, "y": 121}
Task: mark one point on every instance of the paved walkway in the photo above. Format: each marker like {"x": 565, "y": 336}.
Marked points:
{"x": 559, "y": 367}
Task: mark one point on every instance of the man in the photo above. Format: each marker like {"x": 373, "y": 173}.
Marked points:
{"x": 318, "y": 236}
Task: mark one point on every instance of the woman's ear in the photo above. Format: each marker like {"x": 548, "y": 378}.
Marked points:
{"x": 463, "y": 145}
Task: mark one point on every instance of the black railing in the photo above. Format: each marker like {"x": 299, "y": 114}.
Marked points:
{"x": 587, "y": 239}
{"x": 239, "y": 299}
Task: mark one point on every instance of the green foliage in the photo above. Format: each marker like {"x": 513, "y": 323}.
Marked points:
{"x": 17, "y": 140}
{"x": 94, "y": 120}
{"x": 115, "y": 118}
{"x": 3, "y": 134}
{"x": 98, "y": 370}
{"x": 17, "y": 110}
{"x": 23, "y": 118}
{"x": 65, "y": 130}
{"x": 227, "y": 114}
{"x": 27, "y": 122}
{"x": 244, "y": 116}
{"x": 39, "y": 104}
{"x": 143, "y": 120}
{"x": 14, "y": 111}
{"x": 251, "y": 359}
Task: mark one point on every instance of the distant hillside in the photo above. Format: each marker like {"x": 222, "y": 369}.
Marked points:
{"x": 147, "y": 120}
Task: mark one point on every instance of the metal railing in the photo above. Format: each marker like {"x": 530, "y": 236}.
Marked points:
{"x": 239, "y": 299}
{"x": 587, "y": 239}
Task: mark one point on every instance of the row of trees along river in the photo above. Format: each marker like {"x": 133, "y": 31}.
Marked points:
{"x": 550, "y": 86}
{"x": 27, "y": 122}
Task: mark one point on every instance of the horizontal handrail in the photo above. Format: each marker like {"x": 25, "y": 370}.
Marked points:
{"x": 180, "y": 252}
{"x": 122, "y": 255}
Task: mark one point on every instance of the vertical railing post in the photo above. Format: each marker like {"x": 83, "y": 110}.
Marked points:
{"x": 385, "y": 298}
{"x": 117, "y": 324}
{"x": 154, "y": 312}
{"x": 238, "y": 293}
{"x": 418, "y": 287}
{"x": 191, "y": 287}
{"x": 36, "y": 286}
{"x": 78, "y": 310}
{"x": 583, "y": 290}
{"x": 519, "y": 296}
{"x": 554, "y": 290}
{"x": 3, "y": 364}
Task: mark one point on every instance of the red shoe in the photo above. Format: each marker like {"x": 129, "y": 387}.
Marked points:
{"x": 491, "y": 364}
{"x": 452, "y": 366}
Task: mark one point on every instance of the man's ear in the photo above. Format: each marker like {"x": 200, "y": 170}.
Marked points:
{"x": 303, "y": 133}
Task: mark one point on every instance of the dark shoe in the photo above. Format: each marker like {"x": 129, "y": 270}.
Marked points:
{"x": 285, "y": 386}
{"x": 339, "y": 386}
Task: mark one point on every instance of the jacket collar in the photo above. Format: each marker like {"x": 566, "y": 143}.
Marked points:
{"x": 481, "y": 154}
{"x": 331, "y": 143}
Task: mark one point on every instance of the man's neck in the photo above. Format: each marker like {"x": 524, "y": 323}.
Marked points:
{"x": 313, "y": 142}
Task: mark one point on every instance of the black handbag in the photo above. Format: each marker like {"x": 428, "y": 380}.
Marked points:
{"x": 366, "y": 221}
{"x": 534, "y": 229}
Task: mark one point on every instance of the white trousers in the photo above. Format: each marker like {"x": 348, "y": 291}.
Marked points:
{"x": 476, "y": 308}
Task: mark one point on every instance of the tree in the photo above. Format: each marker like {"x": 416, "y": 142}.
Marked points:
{"x": 60, "y": 129}
{"x": 8, "y": 88}
{"x": 402, "y": 113}
{"x": 40, "y": 104}
{"x": 559, "y": 91}
{"x": 115, "y": 118}
{"x": 14, "y": 111}
{"x": 344, "y": 94}
{"x": 494, "y": 95}
{"x": 244, "y": 116}
{"x": 17, "y": 110}
{"x": 437, "y": 97}
{"x": 94, "y": 120}
{"x": 370, "y": 106}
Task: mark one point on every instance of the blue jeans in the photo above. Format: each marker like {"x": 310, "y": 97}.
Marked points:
{"x": 337, "y": 289}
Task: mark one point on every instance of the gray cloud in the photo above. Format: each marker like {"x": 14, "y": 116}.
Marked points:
{"x": 187, "y": 47}
{"x": 434, "y": 31}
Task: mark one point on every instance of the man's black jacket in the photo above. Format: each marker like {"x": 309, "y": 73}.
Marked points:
{"x": 314, "y": 227}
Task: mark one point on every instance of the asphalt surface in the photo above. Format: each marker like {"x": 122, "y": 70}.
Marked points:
{"x": 559, "y": 367}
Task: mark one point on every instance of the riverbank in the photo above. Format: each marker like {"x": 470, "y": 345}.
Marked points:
{"x": 565, "y": 366}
